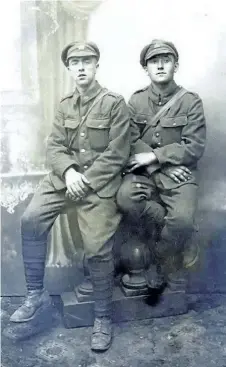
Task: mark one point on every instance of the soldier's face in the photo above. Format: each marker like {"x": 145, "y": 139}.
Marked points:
{"x": 161, "y": 68}
{"x": 83, "y": 69}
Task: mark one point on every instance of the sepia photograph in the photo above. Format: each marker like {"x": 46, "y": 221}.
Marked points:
{"x": 113, "y": 183}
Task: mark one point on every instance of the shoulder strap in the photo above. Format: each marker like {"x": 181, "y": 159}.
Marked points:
{"x": 164, "y": 108}
{"x": 97, "y": 99}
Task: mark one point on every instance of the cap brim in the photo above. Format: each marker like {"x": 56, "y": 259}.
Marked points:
{"x": 159, "y": 51}
{"x": 81, "y": 54}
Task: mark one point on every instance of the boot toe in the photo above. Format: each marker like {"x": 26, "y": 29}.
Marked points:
{"x": 15, "y": 317}
{"x": 21, "y": 315}
{"x": 102, "y": 334}
{"x": 31, "y": 308}
{"x": 100, "y": 341}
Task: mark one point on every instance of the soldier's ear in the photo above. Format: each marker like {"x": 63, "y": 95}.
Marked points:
{"x": 176, "y": 66}
{"x": 97, "y": 65}
{"x": 145, "y": 69}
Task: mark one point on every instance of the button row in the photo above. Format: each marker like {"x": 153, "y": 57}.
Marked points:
{"x": 145, "y": 121}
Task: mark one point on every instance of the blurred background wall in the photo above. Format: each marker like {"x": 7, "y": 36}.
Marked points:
{"x": 33, "y": 80}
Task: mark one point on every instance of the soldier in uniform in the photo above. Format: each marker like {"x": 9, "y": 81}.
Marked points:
{"x": 87, "y": 150}
{"x": 160, "y": 185}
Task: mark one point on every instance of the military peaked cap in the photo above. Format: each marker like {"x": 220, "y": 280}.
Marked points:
{"x": 79, "y": 49}
{"x": 157, "y": 47}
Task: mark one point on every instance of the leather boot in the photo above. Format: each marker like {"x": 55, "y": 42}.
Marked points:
{"x": 35, "y": 302}
{"x": 102, "y": 334}
{"x": 102, "y": 276}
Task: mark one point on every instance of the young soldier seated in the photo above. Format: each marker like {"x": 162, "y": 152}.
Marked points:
{"x": 168, "y": 139}
{"x": 87, "y": 151}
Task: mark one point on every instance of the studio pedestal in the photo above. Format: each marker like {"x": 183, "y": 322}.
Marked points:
{"x": 125, "y": 308}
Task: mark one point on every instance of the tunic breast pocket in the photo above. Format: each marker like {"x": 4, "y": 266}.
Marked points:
{"x": 141, "y": 121}
{"x": 98, "y": 133}
{"x": 171, "y": 128}
{"x": 71, "y": 126}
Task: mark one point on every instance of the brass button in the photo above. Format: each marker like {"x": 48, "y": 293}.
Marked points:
{"x": 174, "y": 124}
{"x": 157, "y": 134}
{"x": 138, "y": 185}
{"x": 85, "y": 167}
{"x": 159, "y": 143}
{"x": 145, "y": 121}
{"x": 82, "y": 150}
{"x": 82, "y": 134}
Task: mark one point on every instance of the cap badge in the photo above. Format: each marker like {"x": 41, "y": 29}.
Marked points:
{"x": 81, "y": 47}
{"x": 157, "y": 45}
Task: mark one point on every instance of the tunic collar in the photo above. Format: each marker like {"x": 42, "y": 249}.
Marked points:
{"x": 90, "y": 94}
{"x": 159, "y": 97}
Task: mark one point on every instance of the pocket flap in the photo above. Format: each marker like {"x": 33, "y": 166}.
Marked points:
{"x": 173, "y": 121}
{"x": 71, "y": 123}
{"x": 98, "y": 123}
{"x": 141, "y": 119}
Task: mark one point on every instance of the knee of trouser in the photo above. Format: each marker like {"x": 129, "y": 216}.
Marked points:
{"x": 182, "y": 222}
{"x": 29, "y": 222}
{"x": 125, "y": 201}
{"x": 103, "y": 253}
{"x": 123, "y": 198}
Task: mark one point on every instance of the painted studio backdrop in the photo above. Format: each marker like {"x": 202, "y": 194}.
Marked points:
{"x": 34, "y": 79}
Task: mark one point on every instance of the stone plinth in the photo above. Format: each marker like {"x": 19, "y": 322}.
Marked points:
{"x": 77, "y": 314}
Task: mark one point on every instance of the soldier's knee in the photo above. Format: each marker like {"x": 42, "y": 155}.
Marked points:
{"x": 26, "y": 219}
{"x": 29, "y": 222}
{"x": 183, "y": 222}
{"x": 128, "y": 205}
{"x": 128, "y": 200}
{"x": 124, "y": 200}
{"x": 123, "y": 197}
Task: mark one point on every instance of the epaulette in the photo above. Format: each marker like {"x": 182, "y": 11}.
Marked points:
{"x": 194, "y": 94}
{"x": 141, "y": 90}
{"x": 113, "y": 94}
{"x": 69, "y": 95}
{"x": 191, "y": 93}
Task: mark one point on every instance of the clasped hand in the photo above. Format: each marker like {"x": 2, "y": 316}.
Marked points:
{"x": 140, "y": 160}
{"x": 178, "y": 174}
{"x": 77, "y": 184}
